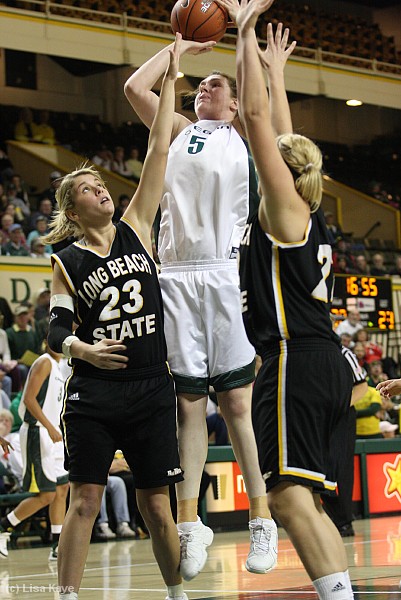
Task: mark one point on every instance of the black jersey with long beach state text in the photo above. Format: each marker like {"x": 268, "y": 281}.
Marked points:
{"x": 286, "y": 288}
{"x": 117, "y": 296}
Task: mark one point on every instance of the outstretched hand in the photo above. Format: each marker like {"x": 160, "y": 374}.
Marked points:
{"x": 172, "y": 69}
{"x": 389, "y": 388}
{"x": 249, "y": 12}
{"x": 190, "y": 47}
{"x": 232, "y": 7}
{"x": 276, "y": 53}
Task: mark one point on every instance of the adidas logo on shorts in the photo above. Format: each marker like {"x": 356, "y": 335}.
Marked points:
{"x": 339, "y": 587}
{"x": 74, "y": 396}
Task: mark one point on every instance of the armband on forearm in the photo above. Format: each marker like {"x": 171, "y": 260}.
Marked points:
{"x": 61, "y": 320}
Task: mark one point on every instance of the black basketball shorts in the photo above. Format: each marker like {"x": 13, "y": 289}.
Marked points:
{"x": 137, "y": 417}
{"x": 300, "y": 399}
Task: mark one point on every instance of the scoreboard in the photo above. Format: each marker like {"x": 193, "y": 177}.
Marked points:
{"x": 372, "y": 296}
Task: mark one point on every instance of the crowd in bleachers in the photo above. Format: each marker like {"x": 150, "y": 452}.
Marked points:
{"x": 340, "y": 33}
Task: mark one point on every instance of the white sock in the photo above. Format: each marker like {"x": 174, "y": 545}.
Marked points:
{"x": 332, "y": 587}
{"x": 188, "y": 525}
{"x": 69, "y": 596}
{"x": 13, "y": 519}
{"x": 349, "y": 584}
{"x": 175, "y": 591}
{"x": 56, "y": 528}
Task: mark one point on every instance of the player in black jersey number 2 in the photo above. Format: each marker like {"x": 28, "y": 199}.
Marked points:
{"x": 121, "y": 393}
{"x": 304, "y": 386}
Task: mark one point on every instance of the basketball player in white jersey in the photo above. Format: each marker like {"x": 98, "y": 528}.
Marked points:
{"x": 204, "y": 211}
{"x": 42, "y": 450}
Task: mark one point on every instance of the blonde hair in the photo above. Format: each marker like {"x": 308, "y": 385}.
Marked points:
{"x": 61, "y": 225}
{"x": 304, "y": 159}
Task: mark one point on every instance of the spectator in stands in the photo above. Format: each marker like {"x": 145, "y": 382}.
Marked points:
{"x": 6, "y": 221}
{"x": 342, "y": 248}
{"x": 25, "y": 128}
{"x": 3, "y": 199}
{"x": 15, "y": 246}
{"x": 5, "y": 390}
{"x": 119, "y": 165}
{"x": 388, "y": 429}
{"x": 375, "y": 373}
{"x": 378, "y": 269}
{"x": 21, "y": 187}
{"x": 40, "y": 229}
{"x": 10, "y": 378}
{"x": 22, "y": 338}
{"x": 134, "y": 164}
{"x": 346, "y": 340}
{"x": 120, "y": 468}
{"x": 367, "y": 419}
{"x": 123, "y": 201}
{"x": 45, "y": 209}
{"x": 361, "y": 265}
{"x": 397, "y": 266}
{"x": 8, "y": 480}
{"x": 351, "y": 324}
{"x": 6, "y": 314}
{"x": 13, "y": 460}
{"x": 117, "y": 491}
{"x": 378, "y": 192}
{"x": 38, "y": 249}
{"x": 216, "y": 428}
{"x": 2, "y": 252}
{"x": 22, "y": 208}
{"x": 103, "y": 158}
{"x": 341, "y": 265}
{"x": 50, "y": 192}
{"x": 372, "y": 351}
{"x": 44, "y": 131}
{"x": 359, "y": 351}
{"x": 335, "y": 231}
{"x": 42, "y": 303}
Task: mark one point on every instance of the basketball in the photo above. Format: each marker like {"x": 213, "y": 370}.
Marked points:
{"x": 199, "y": 20}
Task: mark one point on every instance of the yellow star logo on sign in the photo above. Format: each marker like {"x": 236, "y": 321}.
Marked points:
{"x": 393, "y": 475}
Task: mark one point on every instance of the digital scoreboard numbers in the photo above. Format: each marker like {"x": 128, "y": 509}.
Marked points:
{"x": 372, "y": 296}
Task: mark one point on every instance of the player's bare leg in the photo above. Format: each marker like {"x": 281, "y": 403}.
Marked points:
{"x": 315, "y": 538}
{"x": 193, "y": 444}
{"x": 154, "y": 505}
{"x": 235, "y": 406}
{"x": 85, "y": 499}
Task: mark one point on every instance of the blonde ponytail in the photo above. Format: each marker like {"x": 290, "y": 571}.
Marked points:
{"x": 304, "y": 159}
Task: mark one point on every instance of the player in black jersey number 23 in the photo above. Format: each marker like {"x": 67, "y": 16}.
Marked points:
{"x": 121, "y": 393}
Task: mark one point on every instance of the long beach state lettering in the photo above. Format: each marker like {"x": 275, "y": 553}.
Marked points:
{"x": 97, "y": 280}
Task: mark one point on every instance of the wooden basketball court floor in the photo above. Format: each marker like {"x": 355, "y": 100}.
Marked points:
{"x": 126, "y": 570}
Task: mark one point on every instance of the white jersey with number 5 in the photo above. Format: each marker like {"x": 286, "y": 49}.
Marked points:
{"x": 206, "y": 196}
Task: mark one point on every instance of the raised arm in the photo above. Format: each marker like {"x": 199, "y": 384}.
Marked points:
{"x": 282, "y": 212}
{"x": 142, "y": 209}
{"x": 138, "y": 88}
{"x": 273, "y": 60}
